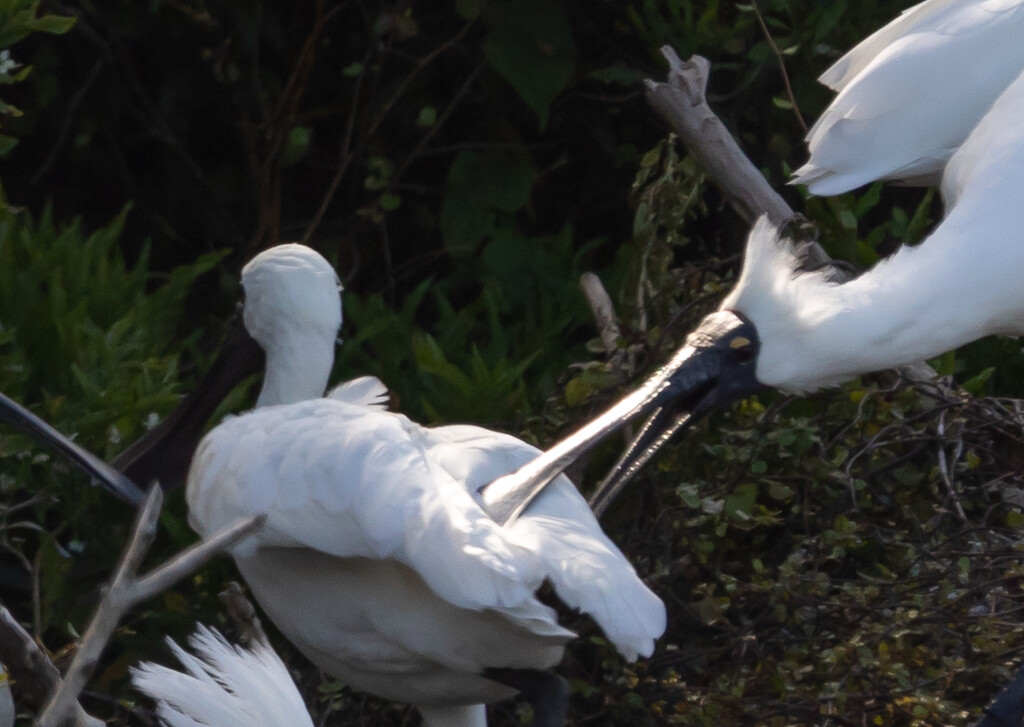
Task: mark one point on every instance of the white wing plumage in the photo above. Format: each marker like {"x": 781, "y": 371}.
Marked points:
{"x": 351, "y": 482}
{"x": 368, "y": 391}
{"x": 222, "y": 686}
{"x": 911, "y": 93}
{"x": 588, "y": 571}
{"x": 407, "y": 493}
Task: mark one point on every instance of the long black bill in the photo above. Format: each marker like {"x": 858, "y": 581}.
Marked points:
{"x": 164, "y": 452}
{"x": 21, "y": 418}
{"x": 714, "y": 366}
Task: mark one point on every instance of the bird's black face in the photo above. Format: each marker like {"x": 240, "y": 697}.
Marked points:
{"x": 103, "y": 474}
{"x": 714, "y": 367}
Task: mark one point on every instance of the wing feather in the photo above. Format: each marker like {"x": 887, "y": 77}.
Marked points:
{"x": 587, "y": 570}
{"x": 911, "y": 93}
{"x": 352, "y": 482}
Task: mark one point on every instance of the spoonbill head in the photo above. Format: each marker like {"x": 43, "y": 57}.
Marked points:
{"x": 800, "y": 330}
{"x": 293, "y": 311}
{"x": 291, "y": 284}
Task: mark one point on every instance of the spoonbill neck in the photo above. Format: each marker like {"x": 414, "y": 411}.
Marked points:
{"x": 298, "y": 367}
{"x": 957, "y": 286}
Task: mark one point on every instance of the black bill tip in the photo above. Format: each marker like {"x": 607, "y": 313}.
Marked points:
{"x": 716, "y": 366}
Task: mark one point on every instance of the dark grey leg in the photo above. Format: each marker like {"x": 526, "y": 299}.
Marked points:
{"x": 547, "y": 693}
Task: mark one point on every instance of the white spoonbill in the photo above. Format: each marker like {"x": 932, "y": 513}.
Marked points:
{"x": 910, "y": 93}
{"x": 797, "y": 331}
{"x": 222, "y": 686}
{"x": 376, "y": 559}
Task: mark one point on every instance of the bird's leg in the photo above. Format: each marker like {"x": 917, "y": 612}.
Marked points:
{"x": 547, "y": 693}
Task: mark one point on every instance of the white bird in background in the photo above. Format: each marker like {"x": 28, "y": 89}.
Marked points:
{"x": 223, "y": 686}
{"x": 909, "y": 94}
{"x": 376, "y": 559}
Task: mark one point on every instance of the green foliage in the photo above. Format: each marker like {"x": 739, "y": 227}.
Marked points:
{"x": 481, "y": 187}
{"x": 530, "y": 43}
{"x": 466, "y": 162}
{"x": 472, "y": 361}
{"x": 18, "y": 19}
{"x": 82, "y": 334}
{"x": 825, "y": 566}
{"x": 93, "y": 346}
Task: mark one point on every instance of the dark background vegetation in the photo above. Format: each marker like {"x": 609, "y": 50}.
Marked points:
{"x": 848, "y": 559}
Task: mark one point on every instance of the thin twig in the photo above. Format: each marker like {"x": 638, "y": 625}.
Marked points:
{"x": 347, "y": 154}
{"x": 438, "y": 124}
{"x": 944, "y": 468}
{"x": 782, "y": 65}
{"x": 603, "y": 311}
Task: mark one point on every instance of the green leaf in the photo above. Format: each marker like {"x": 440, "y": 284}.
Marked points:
{"x": 427, "y": 117}
{"x": 479, "y": 186}
{"x": 55, "y": 24}
{"x": 469, "y": 9}
{"x": 297, "y": 146}
{"x": 6, "y": 144}
{"x": 530, "y": 44}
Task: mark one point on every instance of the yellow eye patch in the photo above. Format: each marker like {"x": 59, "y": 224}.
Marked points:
{"x": 739, "y": 342}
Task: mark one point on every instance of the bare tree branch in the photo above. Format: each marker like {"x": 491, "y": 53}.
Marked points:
{"x": 681, "y": 102}
{"x": 243, "y": 613}
{"x": 126, "y": 590}
{"x": 603, "y": 310}
{"x": 30, "y": 669}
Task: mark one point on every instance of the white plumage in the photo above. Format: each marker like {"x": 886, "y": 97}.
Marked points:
{"x": 222, "y": 686}
{"x": 962, "y": 283}
{"x": 376, "y": 559}
{"x": 940, "y": 88}
{"x": 910, "y": 94}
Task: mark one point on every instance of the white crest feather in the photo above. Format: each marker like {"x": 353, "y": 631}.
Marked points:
{"x": 222, "y": 686}
{"x": 366, "y": 391}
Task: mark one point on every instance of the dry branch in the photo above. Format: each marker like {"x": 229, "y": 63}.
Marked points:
{"x": 124, "y": 592}
{"x": 243, "y": 613}
{"x": 30, "y": 669}
{"x": 603, "y": 310}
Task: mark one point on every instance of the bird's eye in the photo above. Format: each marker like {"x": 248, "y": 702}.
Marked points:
{"x": 744, "y": 353}
{"x": 743, "y": 348}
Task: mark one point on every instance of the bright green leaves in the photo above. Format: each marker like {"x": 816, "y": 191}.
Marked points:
{"x": 529, "y": 42}
{"x": 481, "y": 186}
